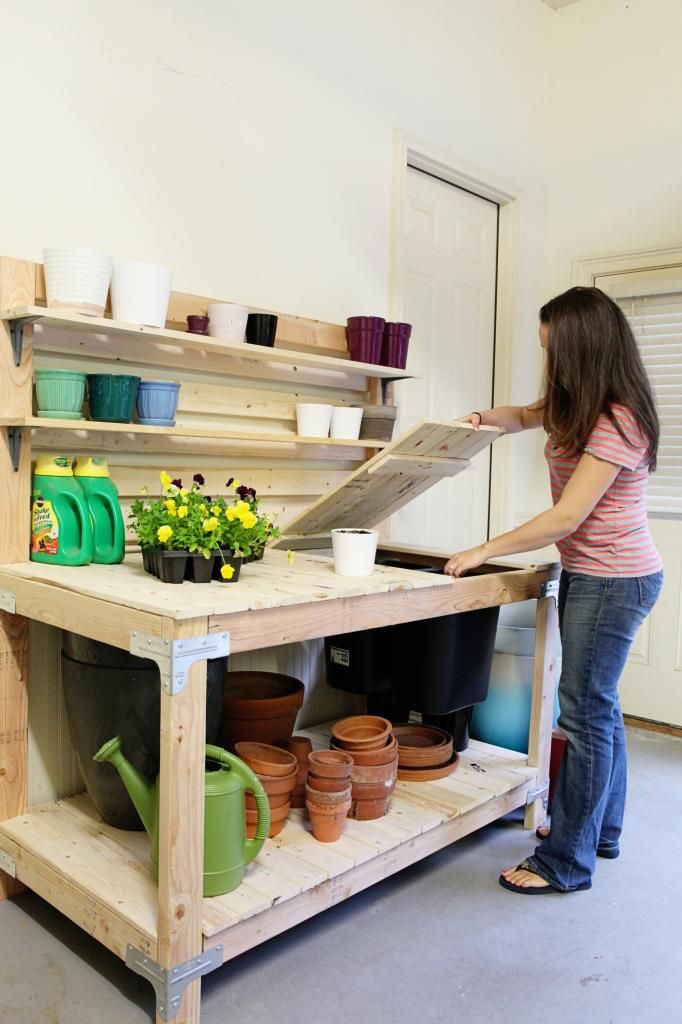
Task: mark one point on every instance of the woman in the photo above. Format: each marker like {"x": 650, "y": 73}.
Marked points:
{"x": 599, "y": 414}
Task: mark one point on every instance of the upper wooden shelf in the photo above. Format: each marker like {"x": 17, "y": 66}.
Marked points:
{"x": 100, "y": 326}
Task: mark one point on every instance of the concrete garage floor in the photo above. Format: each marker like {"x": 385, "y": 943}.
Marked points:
{"x": 440, "y": 942}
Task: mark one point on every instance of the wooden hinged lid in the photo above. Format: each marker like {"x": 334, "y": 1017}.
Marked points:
{"x": 401, "y": 471}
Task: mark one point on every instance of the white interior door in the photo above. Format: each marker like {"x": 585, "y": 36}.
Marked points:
{"x": 447, "y": 291}
{"x": 651, "y": 686}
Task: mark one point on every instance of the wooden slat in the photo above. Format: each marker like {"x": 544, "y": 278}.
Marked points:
{"x": 542, "y": 704}
{"x": 377, "y": 489}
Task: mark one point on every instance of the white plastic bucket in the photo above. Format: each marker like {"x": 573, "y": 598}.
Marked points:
{"x": 227, "y": 320}
{"x": 140, "y": 293}
{"x": 313, "y": 419}
{"x": 77, "y": 280}
{"x": 354, "y": 551}
{"x": 346, "y": 422}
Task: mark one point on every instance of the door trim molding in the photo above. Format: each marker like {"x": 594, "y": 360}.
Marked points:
{"x": 409, "y": 151}
{"x": 585, "y": 269}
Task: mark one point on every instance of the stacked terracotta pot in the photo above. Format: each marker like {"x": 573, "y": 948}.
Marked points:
{"x": 259, "y": 707}
{"x": 328, "y": 792}
{"x": 425, "y": 753}
{"x": 300, "y": 747}
{"x": 277, "y": 770}
{"x": 370, "y": 742}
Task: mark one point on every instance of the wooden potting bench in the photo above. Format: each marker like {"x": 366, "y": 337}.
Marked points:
{"x": 99, "y": 876}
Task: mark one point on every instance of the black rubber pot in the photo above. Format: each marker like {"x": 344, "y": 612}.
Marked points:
{"x": 109, "y": 692}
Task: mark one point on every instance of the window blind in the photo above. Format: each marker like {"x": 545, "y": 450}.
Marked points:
{"x": 656, "y": 321}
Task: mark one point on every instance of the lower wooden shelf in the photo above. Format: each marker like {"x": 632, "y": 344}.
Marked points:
{"x": 100, "y": 878}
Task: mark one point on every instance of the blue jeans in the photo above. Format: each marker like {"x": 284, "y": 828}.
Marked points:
{"x": 598, "y": 619}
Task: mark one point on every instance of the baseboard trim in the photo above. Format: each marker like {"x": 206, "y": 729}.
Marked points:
{"x": 646, "y": 723}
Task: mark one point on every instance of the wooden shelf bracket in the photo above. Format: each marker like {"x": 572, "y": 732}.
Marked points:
{"x": 170, "y": 982}
{"x": 175, "y": 657}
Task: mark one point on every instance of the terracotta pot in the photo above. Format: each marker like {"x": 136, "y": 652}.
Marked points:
{"x": 278, "y": 816}
{"x": 367, "y": 810}
{"x": 422, "y": 746}
{"x": 300, "y": 747}
{"x": 375, "y": 791}
{"x": 323, "y": 785}
{"x": 330, "y": 764}
{"x": 298, "y": 799}
{"x": 328, "y": 824}
{"x": 265, "y": 759}
{"x": 279, "y": 800}
{"x": 259, "y": 707}
{"x": 361, "y": 732}
{"x": 276, "y": 784}
{"x": 371, "y": 757}
{"x": 375, "y": 774}
{"x": 314, "y": 796}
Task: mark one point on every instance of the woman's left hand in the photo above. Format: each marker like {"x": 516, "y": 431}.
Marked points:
{"x": 463, "y": 561}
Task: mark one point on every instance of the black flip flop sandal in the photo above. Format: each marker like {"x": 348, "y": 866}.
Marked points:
{"x": 538, "y": 890}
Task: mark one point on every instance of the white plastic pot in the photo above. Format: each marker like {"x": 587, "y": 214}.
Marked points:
{"x": 345, "y": 425}
{"x": 140, "y": 293}
{"x": 354, "y": 551}
{"x": 313, "y": 419}
{"x": 77, "y": 280}
{"x": 227, "y": 320}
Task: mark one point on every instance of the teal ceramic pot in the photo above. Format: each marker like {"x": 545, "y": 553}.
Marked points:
{"x": 60, "y": 391}
{"x": 112, "y": 396}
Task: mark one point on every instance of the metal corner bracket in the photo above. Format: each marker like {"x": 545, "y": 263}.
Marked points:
{"x": 540, "y": 792}
{"x": 14, "y": 442}
{"x": 8, "y": 602}
{"x": 16, "y": 333}
{"x": 170, "y": 982}
{"x": 549, "y": 589}
{"x": 175, "y": 657}
{"x": 8, "y": 864}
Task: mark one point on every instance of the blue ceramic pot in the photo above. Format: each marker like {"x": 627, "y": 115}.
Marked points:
{"x": 157, "y": 402}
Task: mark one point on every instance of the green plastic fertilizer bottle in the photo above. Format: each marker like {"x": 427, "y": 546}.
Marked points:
{"x": 107, "y": 519}
{"x": 61, "y": 531}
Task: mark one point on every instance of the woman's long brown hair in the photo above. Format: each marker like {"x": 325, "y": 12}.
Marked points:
{"x": 592, "y": 363}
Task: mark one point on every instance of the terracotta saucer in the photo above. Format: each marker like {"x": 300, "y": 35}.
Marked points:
{"x": 428, "y": 774}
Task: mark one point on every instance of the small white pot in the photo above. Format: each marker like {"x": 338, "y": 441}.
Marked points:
{"x": 140, "y": 293}
{"x": 346, "y": 422}
{"x": 76, "y": 279}
{"x": 313, "y": 419}
{"x": 227, "y": 320}
{"x": 354, "y": 551}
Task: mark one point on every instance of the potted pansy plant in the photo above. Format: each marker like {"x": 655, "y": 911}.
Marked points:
{"x": 264, "y": 529}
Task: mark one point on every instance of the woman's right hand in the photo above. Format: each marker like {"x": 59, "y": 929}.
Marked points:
{"x": 474, "y": 418}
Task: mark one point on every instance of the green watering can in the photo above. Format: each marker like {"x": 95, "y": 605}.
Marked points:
{"x": 227, "y": 851}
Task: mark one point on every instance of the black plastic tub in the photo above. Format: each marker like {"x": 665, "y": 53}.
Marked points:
{"x": 109, "y": 692}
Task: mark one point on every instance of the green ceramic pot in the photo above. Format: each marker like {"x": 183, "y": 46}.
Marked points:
{"x": 60, "y": 391}
{"x": 112, "y": 396}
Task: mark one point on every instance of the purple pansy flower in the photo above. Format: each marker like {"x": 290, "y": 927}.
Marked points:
{"x": 199, "y": 479}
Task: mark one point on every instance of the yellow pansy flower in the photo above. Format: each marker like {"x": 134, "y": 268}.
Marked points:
{"x": 170, "y": 504}
{"x": 203, "y": 509}
{"x": 182, "y": 512}
{"x": 290, "y": 557}
{"x": 216, "y": 510}
{"x": 210, "y": 524}
{"x": 243, "y": 506}
{"x": 184, "y": 492}
{"x": 165, "y": 480}
{"x": 248, "y": 520}
{"x": 172, "y": 512}
{"x": 235, "y": 484}
{"x": 164, "y": 533}
{"x": 227, "y": 571}
{"x": 231, "y": 513}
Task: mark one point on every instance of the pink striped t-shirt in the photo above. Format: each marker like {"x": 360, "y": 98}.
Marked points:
{"x": 615, "y": 539}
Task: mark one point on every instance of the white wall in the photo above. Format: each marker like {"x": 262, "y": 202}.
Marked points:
{"x": 249, "y": 144}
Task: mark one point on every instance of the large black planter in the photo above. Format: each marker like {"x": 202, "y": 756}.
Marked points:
{"x": 109, "y": 692}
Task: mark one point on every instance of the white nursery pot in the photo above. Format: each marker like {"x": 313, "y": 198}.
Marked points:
{"x": 354, "y": 551}
{"x": 346, "y": 422}
{"x": 227, "y": 320}
{"x": 313, "y": 419}
{"x": 140, "y": 293}
{"x": 76, "y": 279}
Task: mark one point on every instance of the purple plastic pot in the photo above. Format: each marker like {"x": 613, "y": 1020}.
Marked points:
{"x": 394, "y": 352}
{"x": 197, "y": 324}
{"x": 365, "y": 346}
{"x": 392, "y": 330}
{"x": 373, "y": 323}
